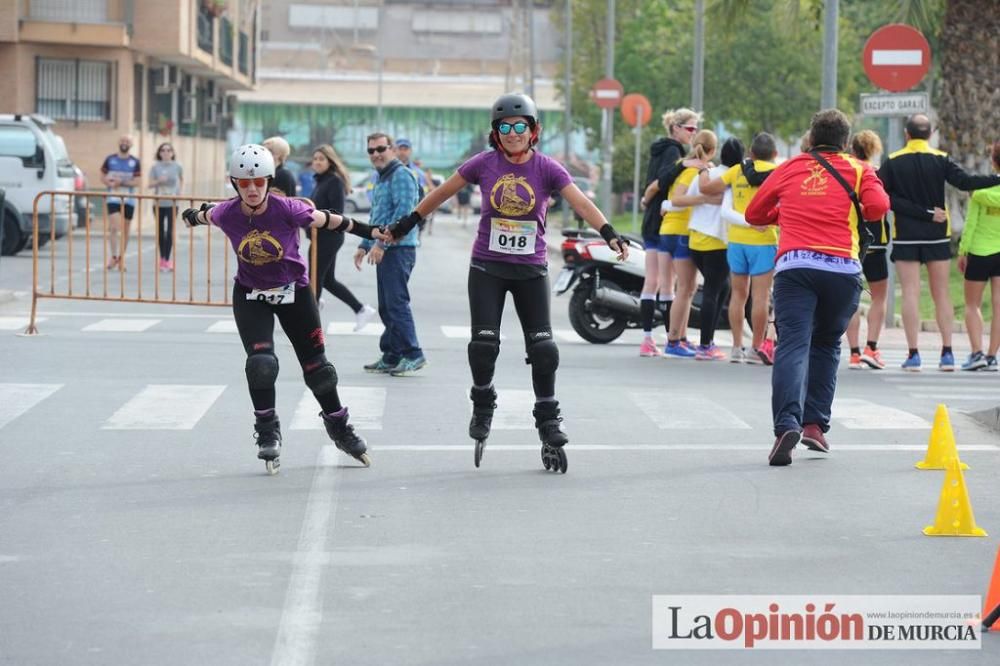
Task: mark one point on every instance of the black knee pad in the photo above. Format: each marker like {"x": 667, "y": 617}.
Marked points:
{"x": 320, "y": 375}
{"x": 542, "y": 351}
{"x": 262, "y": 369}
{"x": 484, "y": 349}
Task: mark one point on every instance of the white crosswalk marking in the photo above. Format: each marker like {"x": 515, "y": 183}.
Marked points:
{"x": 680, "y": 412}
{"x": 990, "y": 396}
{"x": 857, "y": 414}
{"x": 365, "y": 404}
{"x": 223, "y": 326}
{"x": 165, "y": 407}
{"x": 17, "y": 323}
{"x": 513, "y": 410}
{"x": 121, "y": 325}
{"x": 347, "y": 328}
{"x": 16, "y": 399}
{"x": 456, "y": 332}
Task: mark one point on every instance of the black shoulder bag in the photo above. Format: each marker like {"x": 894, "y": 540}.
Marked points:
{"x": 865, "y": 238}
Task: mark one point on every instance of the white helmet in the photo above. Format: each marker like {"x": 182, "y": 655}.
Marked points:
{"x": 251, "y": 161}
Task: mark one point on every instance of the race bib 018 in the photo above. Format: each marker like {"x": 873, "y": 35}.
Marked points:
{"x": 512, "y": 236}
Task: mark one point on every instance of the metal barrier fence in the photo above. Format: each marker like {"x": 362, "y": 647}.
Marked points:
{"x": 201, "y": 272}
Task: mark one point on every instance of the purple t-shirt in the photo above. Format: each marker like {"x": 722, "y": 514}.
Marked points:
{"x": 515, "y": 198}
{"x": 267, "y": 245}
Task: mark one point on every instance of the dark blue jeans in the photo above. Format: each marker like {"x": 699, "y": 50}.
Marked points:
{"x": 811, "y": 312}
{"x": 399, "y": 340}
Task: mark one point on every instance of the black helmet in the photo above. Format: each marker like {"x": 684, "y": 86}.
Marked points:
{"x": 514, "y": 104}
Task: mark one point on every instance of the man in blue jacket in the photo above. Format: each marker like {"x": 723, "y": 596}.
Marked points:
{"x": 395, "y": 195}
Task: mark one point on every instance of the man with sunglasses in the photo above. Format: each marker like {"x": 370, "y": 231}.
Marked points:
{"x": 509, "y": 255}
{"x": 272, "y": 280}
{"x": 395, "y": 195}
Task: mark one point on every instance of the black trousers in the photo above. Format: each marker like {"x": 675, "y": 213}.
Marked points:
{"x": 328, "y": 244}
{"x": 487, "y": 296}
{"x": 301, "y": 323}
{"x": 715, "y": 270}
{"x": 165, "y": 229}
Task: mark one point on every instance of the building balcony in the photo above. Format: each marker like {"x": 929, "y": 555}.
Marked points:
{"x": 77, "y": 22}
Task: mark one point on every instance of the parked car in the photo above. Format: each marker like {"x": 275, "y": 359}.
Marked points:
{"x": 358, "y": 200}
{"x": 33, "y": 159}
{"x": 447, "y": 206}
{"x": 80, "y": 203}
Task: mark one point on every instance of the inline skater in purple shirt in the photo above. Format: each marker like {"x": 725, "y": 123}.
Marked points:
{"x": 272, "y": 281}
{"x": 508, "y": 255}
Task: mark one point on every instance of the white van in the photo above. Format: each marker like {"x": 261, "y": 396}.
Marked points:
{"x": 33, "y": 159}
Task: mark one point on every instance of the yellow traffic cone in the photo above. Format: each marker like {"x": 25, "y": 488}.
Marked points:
{"x": 954, "y": 513}
{"x": 941, "y": 445}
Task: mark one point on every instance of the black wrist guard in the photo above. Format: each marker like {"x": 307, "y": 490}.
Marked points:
{"x": 609, "y": 234}
{"x": 190, "y": 215}
{"x": 359, "y": 229}
{"x": 404, "y": 225}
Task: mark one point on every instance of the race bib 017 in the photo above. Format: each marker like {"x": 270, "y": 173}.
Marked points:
{"x": 277, "y": 296}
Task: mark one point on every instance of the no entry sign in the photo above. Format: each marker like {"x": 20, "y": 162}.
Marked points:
{"x": 896, "y": 57}
{"x": 607, "y": 93}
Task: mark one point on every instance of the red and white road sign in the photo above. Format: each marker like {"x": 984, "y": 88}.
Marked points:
{"x": 896, "y": 57}
{"x": 607, "y": 93}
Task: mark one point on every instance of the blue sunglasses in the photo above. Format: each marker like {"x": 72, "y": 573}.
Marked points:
{"x": 518, "y": 127}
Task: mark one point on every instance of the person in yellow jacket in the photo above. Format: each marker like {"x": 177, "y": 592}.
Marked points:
{"x": 979, "y": 262}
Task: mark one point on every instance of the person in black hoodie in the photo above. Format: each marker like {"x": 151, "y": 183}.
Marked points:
{"x": 665, "y": 156}
{"x": 332, "y": 181}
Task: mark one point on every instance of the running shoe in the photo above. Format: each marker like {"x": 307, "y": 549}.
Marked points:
{"x": 649, "y": 349}
{"x": 991, "y": 364}
{"x": 947, "y": 362}
{"x": 363, "y": 317}
{"x": 709, "y": 353}
{"x": 912, "y": 363}
{"x": 812, "y": 437}
{"x": 855, "y": 362}
{"x": 678, "y": 350}
{"x": 763, "y": 354}
{"x": 408, "y": 366}
{"x": 737, "y": 355}
{"x": 380, "y": 366}
{"x": 872, "y": 358}
{"x": 975, "y": 361}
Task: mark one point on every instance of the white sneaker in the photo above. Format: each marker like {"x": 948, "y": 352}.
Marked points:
{"x": 364, "y": 317}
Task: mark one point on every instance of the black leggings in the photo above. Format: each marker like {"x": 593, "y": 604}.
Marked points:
{"x": 165, "y": 229}
{"x": 487, "y": 295}
{"x": 715, "y": 271}
{"x": 301, "y": 323}
{"x": 328, "y": 245}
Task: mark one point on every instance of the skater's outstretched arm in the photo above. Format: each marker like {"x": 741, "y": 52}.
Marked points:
{"x": 586, "y": 209}
{"x": 332, "y": 221}
{"x": 427, "y": 205}
{"x": 198, "y": 216}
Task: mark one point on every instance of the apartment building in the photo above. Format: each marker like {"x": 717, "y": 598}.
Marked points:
{"x": 163, "y": 70}
{"x": 335, "y": 70}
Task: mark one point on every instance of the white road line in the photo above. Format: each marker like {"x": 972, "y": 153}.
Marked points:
{"x": 302, "y": 613}
{"x": 597, "y": 448}
{"x": 672, "y": 411}
{"x": 947, "y": 379}
{"x": 857, "y": 414}
{"x": 121, "y": 325}
{"x": 165, "y": 407}
{"x": 981, "y": 396}
{"x": 347, "y": 328}
{"x": 365, "y": 404}
{"x": 17, "y": 323}
{"x": 456, "y": 332}
{"x": 223, "y": 326}
{"x": 513, "y": 410}
{"x": 16, "y": 399}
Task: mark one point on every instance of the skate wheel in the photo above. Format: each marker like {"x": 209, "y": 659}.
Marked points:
{"x": 272, "y": 466}
{"x": 563, "y": 463}
{"x": 480, "y": 448}
{"x": 365, "y": 460}
{"x": 554, "y": 459}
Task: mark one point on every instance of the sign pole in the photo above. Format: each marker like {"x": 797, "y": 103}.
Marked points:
{"x": 635, "y": 175}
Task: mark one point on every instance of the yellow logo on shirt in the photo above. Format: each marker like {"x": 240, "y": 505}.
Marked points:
{"x": 511, "y": 202}
{"x": 259, "y": 248}
{"x": 815, "y": 185}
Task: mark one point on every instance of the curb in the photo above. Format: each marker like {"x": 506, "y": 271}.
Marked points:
{"x": 7, "y": 295}
{"x": 988, "y": 417}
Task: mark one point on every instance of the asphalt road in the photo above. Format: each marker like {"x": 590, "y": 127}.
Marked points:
{"x": 137, "y": 526}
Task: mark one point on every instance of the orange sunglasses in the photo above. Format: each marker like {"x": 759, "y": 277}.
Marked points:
{"x": 245, "y": 182}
